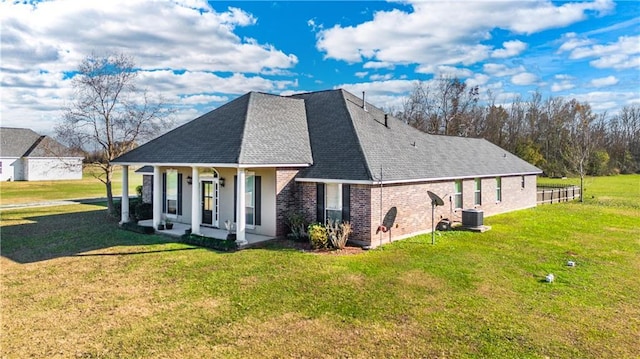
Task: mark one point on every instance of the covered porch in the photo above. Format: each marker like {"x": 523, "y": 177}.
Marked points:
{"x": 180, "y": 228}
{"x": 194, "y": 197}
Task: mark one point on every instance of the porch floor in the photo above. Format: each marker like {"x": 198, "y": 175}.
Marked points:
{"x": 179, "y": 229}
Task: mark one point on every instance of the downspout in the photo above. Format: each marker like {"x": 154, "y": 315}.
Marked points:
{"x": 381, "y": 232}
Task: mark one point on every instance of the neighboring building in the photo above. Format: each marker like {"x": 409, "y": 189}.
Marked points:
{"x": 324, "y": 154}
{"x": 28, "y": 156}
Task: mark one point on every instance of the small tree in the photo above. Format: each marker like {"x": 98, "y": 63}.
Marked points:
{"x": 578, "y": 147}
{"x": 108, "y": 114}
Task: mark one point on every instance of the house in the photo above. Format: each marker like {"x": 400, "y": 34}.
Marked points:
{"x": 326, "y": 154}
{"x": 28, "y": 156}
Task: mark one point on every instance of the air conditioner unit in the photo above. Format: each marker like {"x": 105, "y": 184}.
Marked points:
{"x": 472, "y": 218}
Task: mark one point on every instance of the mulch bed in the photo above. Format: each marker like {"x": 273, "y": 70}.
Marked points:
{"x": 283, "y": 243}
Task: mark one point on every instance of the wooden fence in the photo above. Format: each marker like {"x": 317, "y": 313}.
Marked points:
{"x": 555, "y": 194}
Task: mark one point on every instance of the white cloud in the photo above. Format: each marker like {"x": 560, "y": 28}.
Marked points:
{"x": 511, "y": 48}
{"x": 378, "y": 65}
{"x": 604, "y": 81}
{"x": 621, "y": 54}
{"x": 313, "y": 25}
{"x": 570, "y": 41}
{"x": 58, "y": 34}
{"x": 477, "y": 80}
{"x": 361, "y": 74}
{"x": 565, "y": 82}
{"x": 383, "y": 94}
{"x": 378, "y": 77}
{"x": 43, "y": 41}
{"x": 203, "y": 99}
{"x": 524, "y": 79}
{"x": 427, "y": 36}
{"x": 562, "y": 86}
{"x": 450, "y": 71}
{"x": 563, "y": 77}
{"x": 601, "y": 101}
{"x": 501, "y": 70}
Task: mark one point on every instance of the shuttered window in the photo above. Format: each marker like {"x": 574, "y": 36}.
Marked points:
{"x": 333, "y": 202}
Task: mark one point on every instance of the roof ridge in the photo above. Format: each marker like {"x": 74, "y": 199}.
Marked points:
{"x": 245, "y": 117}
{"x": 33, "y": 146}
{"x": 356, "y": 134}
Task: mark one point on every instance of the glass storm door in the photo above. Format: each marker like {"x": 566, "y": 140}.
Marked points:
{"x": 210, "y": 203}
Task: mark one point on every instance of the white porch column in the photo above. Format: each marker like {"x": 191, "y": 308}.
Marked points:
{"x": 157, "y": 196}
{"x": 196, "y": 211}
{"x": 124, "y": 202}
{"x": 241, "y": 209}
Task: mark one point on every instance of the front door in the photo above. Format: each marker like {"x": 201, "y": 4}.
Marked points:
{"x": 210, "y": 203}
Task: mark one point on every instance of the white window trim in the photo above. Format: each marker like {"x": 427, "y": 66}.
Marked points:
{"x": 326, "y": 207}
{"x": 498, "y": 189}
{"x": 253, "y": 194}
{"x": 477, "y": 190}
{"x": 167, "y": 214}
{"x": 455, "y": 194}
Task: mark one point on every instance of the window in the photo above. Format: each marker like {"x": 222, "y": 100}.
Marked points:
{"x": 477, "y": 198}
{"x": 523, "y": 182}
{"x": 250, "y": 199}
{"x": 172, "y": 192}
{"x": 458, "y": 194}
{"x": 498, "y": 189}
{"x": 333, "y": 201}
{"x": 0, "y": 167}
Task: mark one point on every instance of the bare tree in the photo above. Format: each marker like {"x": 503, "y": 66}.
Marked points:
{"x": 447, "y": 106}
{"x": 109, "y": 114}
{"x": 579, "y": 145}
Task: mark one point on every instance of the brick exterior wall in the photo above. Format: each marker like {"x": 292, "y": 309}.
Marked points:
{"x": 287, "y": 198}
{"x": 371, "y": 203}
{"x": 413, "y": 210}
{"x": 361, "y": 213}
{"x": 308, "y": 201}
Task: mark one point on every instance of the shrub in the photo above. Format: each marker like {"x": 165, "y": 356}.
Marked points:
{"x": 134, "y": 227}
{"x": 117, "y": 209}
{"x": 295, "y": 222}
{"x": 338, "y": 233}
{"x": 143, "y": 211}
{"x": 214, "y": 243}
{"x": 318, "y": 236}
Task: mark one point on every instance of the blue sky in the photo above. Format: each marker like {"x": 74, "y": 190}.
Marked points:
{"x": 200, "y": 55}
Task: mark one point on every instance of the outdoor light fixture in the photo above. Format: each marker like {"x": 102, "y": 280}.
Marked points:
{"x": 189, "y": 180}
{"x": 221, "y": 181}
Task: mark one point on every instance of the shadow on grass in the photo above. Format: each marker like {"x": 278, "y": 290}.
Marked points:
{"x": 50, "y": 236}
{"x": 134, "y": 253}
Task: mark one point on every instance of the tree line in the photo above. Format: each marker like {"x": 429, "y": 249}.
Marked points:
{"x": 560, "y": 136}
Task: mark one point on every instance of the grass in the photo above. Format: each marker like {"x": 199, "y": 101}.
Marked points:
{"x": 88, "y": 187}
{"x": 73, "y": 285}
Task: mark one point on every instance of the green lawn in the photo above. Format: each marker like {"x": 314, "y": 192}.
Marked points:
{"x": 73, "y": 285}
{"x": 88, "y": 187}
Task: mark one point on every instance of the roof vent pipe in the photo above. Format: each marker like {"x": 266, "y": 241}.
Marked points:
{"x": 385, "y": 120}
{"x": 364, "y": 104}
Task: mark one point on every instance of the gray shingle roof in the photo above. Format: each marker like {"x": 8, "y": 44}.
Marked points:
{"x": 334, "y": 142}
{"x": 23, "y": 142}
{"x": 254, "y": 129}
{"x": 331, "y": 131}
{"x": 356, "y": 138}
